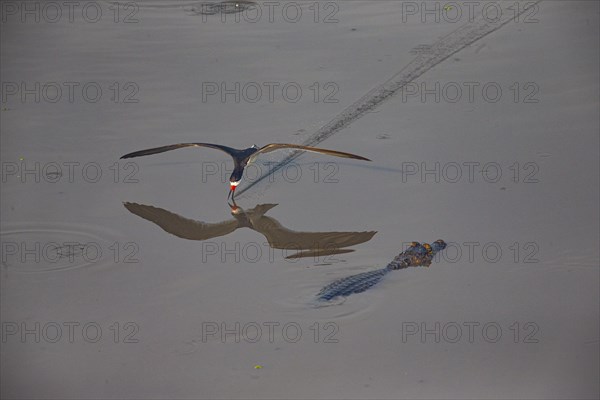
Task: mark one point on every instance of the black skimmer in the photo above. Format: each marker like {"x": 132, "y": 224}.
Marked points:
{"x": 241, "y": 158}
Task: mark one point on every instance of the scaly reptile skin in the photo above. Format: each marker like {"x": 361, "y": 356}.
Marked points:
{"x": 415, "y": 256}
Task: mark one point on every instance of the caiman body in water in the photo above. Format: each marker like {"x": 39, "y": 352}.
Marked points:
{"x": 417, "y": 255}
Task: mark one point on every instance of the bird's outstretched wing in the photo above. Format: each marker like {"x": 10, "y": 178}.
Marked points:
{"x": 279, "y": 146}
{"x": 162, "y": 149}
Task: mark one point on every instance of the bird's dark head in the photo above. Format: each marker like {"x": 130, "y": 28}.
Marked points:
{"x": 236, "y": 176}
{"x": 234, "y": 181}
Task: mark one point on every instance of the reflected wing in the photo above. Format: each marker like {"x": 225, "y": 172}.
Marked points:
{"x": 318, "y": 253}
{"x": 280, "y": 146}
{"x": 280, "y": 237}
{"x": 256, "y": 213}
{"x": 179, "y": 226}
{"x": 162, "y": 149}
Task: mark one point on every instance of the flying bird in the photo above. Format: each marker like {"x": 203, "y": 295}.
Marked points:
{"x": 241, "y": 158}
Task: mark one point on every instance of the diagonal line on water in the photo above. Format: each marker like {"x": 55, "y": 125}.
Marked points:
{"x": 450, "y": 44}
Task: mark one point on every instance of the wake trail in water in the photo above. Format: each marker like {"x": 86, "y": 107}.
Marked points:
{"x": 444, "y": 48}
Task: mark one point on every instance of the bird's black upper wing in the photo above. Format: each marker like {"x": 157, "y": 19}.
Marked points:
{"x": 162, "y": 149}
{"x": 280, "y": 146}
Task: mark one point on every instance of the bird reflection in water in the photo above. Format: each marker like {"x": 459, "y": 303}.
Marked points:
{"x": 305, "y": 244}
